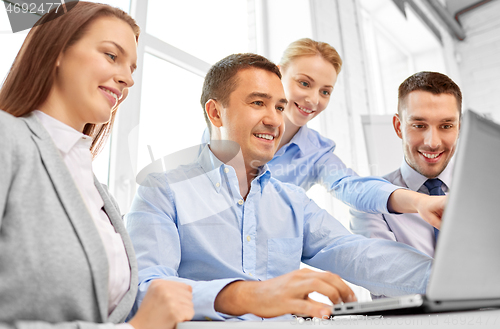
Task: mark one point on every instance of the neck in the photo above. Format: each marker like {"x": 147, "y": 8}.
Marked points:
{"x": 55, "y": 107}
{"x": 290, "y": 131}
{"x": 245, "y": 172}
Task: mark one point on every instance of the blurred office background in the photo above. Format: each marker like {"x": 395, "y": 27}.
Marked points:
{"x": 382, "y": 42}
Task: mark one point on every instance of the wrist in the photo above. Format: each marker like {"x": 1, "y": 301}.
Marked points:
{"x": 237, "y": 298}
{"x": 419, "y": 200}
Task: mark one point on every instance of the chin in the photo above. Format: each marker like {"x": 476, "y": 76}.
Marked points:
{"x": 430, "y": 172}
{"x": 299, "y": 121}
{"x": 103, "y": 117}
{"x": 261, "y": 160}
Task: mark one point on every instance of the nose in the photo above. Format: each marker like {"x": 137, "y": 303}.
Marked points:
{"x": 124, "y": 77}
{"x": 313, "y": 98}
{"x": 273, "y": 118}
{"x": 432, "y": 138}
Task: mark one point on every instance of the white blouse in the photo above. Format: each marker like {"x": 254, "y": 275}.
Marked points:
{"x": 75, "y": 151}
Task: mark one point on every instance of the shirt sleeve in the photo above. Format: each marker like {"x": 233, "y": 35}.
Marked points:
{"x": 370, "y": 225}
{"x": 369, "y": 194}
{"x": 384, "y": 267}
{"x": 152, "y": 226}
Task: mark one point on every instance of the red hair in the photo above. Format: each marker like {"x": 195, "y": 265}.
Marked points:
{"x": 33, "y": 72}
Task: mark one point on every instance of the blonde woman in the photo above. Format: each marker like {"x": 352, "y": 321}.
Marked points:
{"x": 309, "y": 73}
{"x": 304, "y": 158}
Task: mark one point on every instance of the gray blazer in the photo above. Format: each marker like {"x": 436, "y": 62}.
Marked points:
{"x": 53, "y": 266}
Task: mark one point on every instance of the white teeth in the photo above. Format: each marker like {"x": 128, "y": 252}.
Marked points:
{"x": 265, "y": 136}
{"x": 111, "y": 93}
{"x": 305, "y": 110}
{"x": 431, "y": 156}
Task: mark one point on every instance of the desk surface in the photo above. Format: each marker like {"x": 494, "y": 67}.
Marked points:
{"x": 475, "y": 319}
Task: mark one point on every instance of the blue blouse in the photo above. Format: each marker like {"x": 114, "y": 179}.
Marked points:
{"x": 308, "y": 159}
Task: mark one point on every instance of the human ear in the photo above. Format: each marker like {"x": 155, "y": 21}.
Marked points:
{"x": 396, "y": 123}
{"x": 58, "y": 61}
{"x": 213, "y": 110}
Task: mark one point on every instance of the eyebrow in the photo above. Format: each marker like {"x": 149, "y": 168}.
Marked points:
{"x": 415, "y": 118}
{"x": 328, "y": 86}
{"x": 264, "y": 95}
{"x": 122, "y": 51}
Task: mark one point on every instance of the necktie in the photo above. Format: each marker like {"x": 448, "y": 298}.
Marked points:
{"x": 434, "y": 186}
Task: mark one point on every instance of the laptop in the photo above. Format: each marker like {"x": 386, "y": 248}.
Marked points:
{"x": 466, "y": 269}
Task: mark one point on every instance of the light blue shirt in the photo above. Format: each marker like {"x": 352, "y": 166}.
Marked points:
{"x": 410, "y": 229}
{"x": 192, "y": 225}
{"x": 308, "y": 159}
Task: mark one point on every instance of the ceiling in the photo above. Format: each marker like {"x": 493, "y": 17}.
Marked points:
{"x": 409, "y": 31}
{"x": 454, "y": 6}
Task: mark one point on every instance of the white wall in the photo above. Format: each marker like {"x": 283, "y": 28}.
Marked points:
{"x": 479, "y": 59}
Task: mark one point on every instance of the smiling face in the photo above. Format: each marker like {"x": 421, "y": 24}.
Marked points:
{"x": 429, "y": 129}
{"x": 93, "y": 73}
{"x": 308, "y": 83}
{"x": 253, "y": 117}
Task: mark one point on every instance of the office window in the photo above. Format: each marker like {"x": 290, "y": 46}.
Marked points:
{"x": 287, "y": 21}
{"x": 397, "y": 46}
{"x": 171, "y": 117}
{"x": 11, "y": 43}
{"x": 209, "y": 30}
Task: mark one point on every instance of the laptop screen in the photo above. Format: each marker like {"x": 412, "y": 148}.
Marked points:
{"x": 467, "y": 258}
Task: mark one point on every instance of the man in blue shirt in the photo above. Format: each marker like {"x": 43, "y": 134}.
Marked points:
{"x": 237, "y": 235}
{"x": 428, "y": 123}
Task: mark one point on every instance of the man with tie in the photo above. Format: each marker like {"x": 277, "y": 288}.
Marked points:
{"x": 428, "y": 123}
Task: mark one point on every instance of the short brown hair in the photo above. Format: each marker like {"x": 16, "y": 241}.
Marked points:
{"x": 221, "y": 80}
{"x": 433, "y": 82}
{"x": 35, "y": 64}
{"x": 309, "y": 47}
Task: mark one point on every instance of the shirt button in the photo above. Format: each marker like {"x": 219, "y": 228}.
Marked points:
{"x": 217, "y": 185}
{"x": 226, "y": 170}
{"x": 208, "y": 318}
{"x": 248, "y": 238}
{"x": 240, "y": 202}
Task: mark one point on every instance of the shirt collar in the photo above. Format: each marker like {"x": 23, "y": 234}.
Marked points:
{"x": 264, "y": 176}
{"x": 299, "y": 139}
{"x": 414, "y": 180}
{"x": 213, "y": 167}
{"x": 64, "y": 137}
{"x": 210, "y": 163}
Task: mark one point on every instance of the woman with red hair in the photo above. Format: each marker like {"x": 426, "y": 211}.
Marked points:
{"x": 65, "y": 257}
